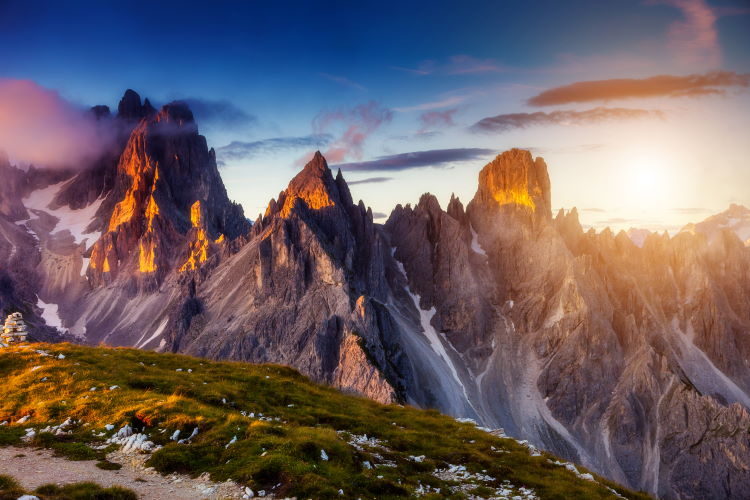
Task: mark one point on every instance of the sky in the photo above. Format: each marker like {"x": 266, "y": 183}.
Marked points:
{"x": 641, "y": 109}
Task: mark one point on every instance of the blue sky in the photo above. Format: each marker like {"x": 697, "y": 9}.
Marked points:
{"x": 367, "y": 80}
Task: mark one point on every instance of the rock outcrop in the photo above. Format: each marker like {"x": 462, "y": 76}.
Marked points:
{"x": 288, "y": 295}
{"x": 610, "y": 354}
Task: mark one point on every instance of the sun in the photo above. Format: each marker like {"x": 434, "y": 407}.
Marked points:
{"x": 646, "y": 179}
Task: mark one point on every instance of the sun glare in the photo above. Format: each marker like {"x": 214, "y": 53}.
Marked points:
{"x": 646, "y": 182}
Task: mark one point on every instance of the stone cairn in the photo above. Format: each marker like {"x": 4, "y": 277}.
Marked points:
{"x": 14, "y": 331}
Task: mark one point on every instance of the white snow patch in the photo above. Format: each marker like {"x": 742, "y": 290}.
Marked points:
{"x": 475, "y": 242}
{"x": 50, "y": 314}
{"x": 706, "y": 376}
{"x": 425, "y": 317}
{"x": 156, "y": 334}
{"x": 75, "y": 221}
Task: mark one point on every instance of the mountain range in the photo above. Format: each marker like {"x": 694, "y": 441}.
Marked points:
{"x": 633, "y": 360}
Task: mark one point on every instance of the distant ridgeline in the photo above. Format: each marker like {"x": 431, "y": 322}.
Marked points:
{"x": 611, "y": 354}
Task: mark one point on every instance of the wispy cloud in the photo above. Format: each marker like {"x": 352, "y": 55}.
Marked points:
{"x": 439, "y": 104}
{"x": 711, "y": 83}
{"x": 460, "y": 64}
{"x": 371, "y": 180}
{"x": 505, "y": 122}
{"x": 593, "y": 209}
{"x": 728, "y": 10}
{"x": 413, "y": 71}
{"x": 219, "y": 113}
{"x": 692, "y": 210}
{"x": 576, "y": 149}
{"x": 463, "y": 64}
{"x": 437, "y": 119}
{"x": 417, "y": 159}
{"x": 343, "y": 81}
{"x": 694, "y": 39}
{"x": 356, "y": 125}
{"x": 239, "y": 150}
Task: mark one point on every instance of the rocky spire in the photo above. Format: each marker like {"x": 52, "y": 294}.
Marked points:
{"x": 315, "y": 186}
{"x": 165, "y": 169}
{"x": 130, "y": 107}
{"x": 517, "y": 181}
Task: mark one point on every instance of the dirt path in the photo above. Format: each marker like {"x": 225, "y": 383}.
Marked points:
{"x": 35, "y": 467}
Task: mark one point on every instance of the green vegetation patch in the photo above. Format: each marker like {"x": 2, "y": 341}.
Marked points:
{"x": 266, "y": 427}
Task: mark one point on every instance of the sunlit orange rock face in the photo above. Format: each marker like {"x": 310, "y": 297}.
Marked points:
{"x": 312, "y": 186}
{"x": 147, "y": 256}
{"x": 199, "y": 245}
{"x": 515, "y": 179}
{"x": 131, "y": 227}
{"x": 168, "y": 203}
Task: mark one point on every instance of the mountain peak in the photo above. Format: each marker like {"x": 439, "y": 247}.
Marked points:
{"x": 314, "y": 185}
{"x": 130, "y": 107}
{"x": 176, "y": 111}
{"x": 515, "y": 178}
{"x": 317, "y": 165}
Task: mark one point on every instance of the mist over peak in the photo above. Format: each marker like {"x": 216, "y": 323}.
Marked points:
{"x": 40, "y": 127}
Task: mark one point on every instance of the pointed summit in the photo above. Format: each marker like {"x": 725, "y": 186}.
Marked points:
{"x": 515, "y": 179}
{"x": 130, "y": 107}
{"x": 314, "y": 185}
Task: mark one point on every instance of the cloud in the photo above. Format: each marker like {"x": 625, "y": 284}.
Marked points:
{"x": 379, "y": 215}
{"x": 413, "y": 71}
{"x": 239, "y": 150}
{"x": 692, "y": 210}
{"x": 577, "y": 149}
{"x": 417, "y": 159}
{"x": 723, "y": 11}
{"x": 503, "y": 123}
{"x": 343, "y": 81}
{"x": 38, "y": 126}
{"x": 461, "y": 64}
{"x": 711, "y": 83}
{"x": 371, "y": 180}
{"x": 437, "y": 119}
{"x": 442, "y": 103}
{"x": 355, "y": 126}
{"x": 219, "y": 113}
{"x": 465, "y": 65}
{"x": 694, "y": 39}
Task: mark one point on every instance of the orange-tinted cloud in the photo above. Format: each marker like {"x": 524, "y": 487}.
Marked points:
{"x": 358, "y": 123}
{"x": 505, "y": 122}
{"x": 711, "y": 83}
{"x": 38, "y": 126}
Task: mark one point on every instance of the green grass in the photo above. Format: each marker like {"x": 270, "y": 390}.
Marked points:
{"x": 301, "y": 419}
{"x": 11, "y": 490}
{"x": 84, "y": 491}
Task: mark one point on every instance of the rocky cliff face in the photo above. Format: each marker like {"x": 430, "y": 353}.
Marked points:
{"x": 619, "y": 357}
{"x": 301, "y": 290}
{"x": 629, "y": 359}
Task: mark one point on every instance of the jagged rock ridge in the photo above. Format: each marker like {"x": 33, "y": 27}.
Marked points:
{"x": 619, "y": 357}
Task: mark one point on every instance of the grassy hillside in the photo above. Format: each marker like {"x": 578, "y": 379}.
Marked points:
{"x": 266, "y": 427}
